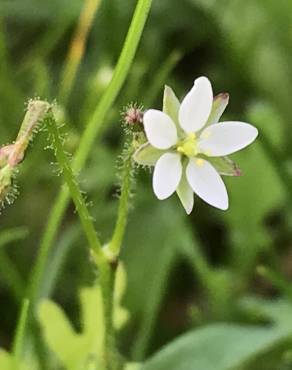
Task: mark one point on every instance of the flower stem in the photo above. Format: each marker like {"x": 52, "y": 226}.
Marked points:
{"x": 126, "y": 182}
{"x": 93, "y": 128}
{"x": 74, "y": 190}
{"x": 106, "y": 272}
{"x": 19, "y": 334}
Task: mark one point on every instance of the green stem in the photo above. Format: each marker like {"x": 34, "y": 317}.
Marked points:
{"x": 155, "y": 297}
{"x": 278, "y": 163}
{"x": 120, "y": 227}
{"x": 11, "y": 276}
{"x": 160, "y": 77}
{"x": 19, "y": 334}
{"x": 74, "y": 190}
{"x": 9, "y": 272}
{"x": 97, "y": 120}
{"x": 105, "y": 269}
{"x": 94, "y": 127}
{"x": 276, "y": 280}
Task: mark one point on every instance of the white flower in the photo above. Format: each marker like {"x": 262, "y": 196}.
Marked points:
{"x": 184, "y": 139}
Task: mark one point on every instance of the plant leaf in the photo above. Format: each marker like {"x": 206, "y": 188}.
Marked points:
{"x": 69, "y": 346}
{"x": 121, "y": 314}
{"x": 219, "y": 346}
{"x": 227, "y": 346}
{"x": 9, "y": 362}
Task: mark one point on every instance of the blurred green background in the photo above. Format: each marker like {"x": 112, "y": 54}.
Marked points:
{"x": 183, "y": 272}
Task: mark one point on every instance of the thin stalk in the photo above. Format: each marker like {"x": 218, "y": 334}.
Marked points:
{"x": 77, "y": 48}
{"x": 198, "y": 262}
{"x": 75, "y": 192}
{"x": 10, "y": 275}
{"x": 97, "y": 120}
{"x": 121, "y": 223}
{"x": 11, "y": 235}
{"x": 8, "y": 270}
{"x": 160, "y": 77}
{"x": 94, "y": 126}
{"x": 276, "y": 280}
{"x": 20, "y": 333}
{"x": 106, "y": 271}
{"x": 278, "y": 163}
{"x": 155, "y": 296}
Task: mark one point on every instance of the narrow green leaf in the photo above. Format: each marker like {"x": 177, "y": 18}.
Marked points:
{"x": 121, "y": 314}
{"x": 20, "y": 331}
{"x": 227, "y": 346}
{"x": 219, "y": 346}
{"x": 93, "y": 318}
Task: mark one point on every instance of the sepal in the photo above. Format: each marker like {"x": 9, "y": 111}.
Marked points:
{"x": 147, "y": 155}
{"x": 220, "y": 102}
{"x": 225, "y": 166}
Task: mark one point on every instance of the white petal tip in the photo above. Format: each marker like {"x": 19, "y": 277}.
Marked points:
{"x": 196, "y": 106}
{"x": 256, "y": 132}
{"x": 161, "y": 196}
{"x": 207, "y": 183}
{"x": 224, "y": 208}
{"x": 202, "y": 79}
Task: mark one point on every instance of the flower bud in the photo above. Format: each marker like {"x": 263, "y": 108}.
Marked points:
{"x": 6, "y": 174}
{"x": 133, "y": 117}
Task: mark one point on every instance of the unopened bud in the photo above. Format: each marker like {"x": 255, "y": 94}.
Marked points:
{"x": 11, "y": 155}
{"x": 35, "y": 113}
{"x": 133, "y": 116}
{"x": 5, "y": 152}
{"x": 5, "y": 181}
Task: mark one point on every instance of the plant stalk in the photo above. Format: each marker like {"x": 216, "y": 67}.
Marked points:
{"x": 93, "y": 128}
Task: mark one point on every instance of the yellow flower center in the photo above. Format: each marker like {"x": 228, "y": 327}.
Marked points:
{"x": 188, "y": 146}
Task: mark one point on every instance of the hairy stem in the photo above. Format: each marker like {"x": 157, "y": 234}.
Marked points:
{"x": 75, "y": 192}
{"x": 126, "y": 177}
{"x": 93, "y": 127}
{"x": 105, "y": 269}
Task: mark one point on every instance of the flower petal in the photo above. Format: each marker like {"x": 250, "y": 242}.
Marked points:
{"x": 220, "y": 102}
{"x": 160, "y": 129}
{"x": 226, "y": 137}
{"x": 167, "y": 175}
{"x": 185, "y": 194}
{"x": 207, "y": 183}
{"x": 196, "y": 106}
{"x": 147, "y": 155}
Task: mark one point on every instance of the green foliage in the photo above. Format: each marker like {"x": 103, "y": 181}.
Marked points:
{"x": 85, "y": 349}
{"x": 185, "y": 274}
{"x": 75, "y": 350}
{"x": 226, "y": 346}
{"x": 8, "y": 362}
